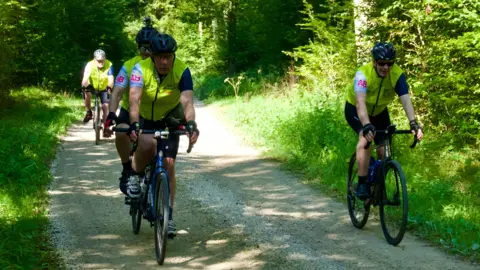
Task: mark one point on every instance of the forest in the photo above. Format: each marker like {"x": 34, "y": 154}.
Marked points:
{"x": 281, "y": 69}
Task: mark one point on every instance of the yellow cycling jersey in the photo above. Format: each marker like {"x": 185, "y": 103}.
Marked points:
{"x": 99, "y": 77}
{"x": 380, "y": 91}
{"x": 122, "y": 79}
{"x": 158, "y": 96}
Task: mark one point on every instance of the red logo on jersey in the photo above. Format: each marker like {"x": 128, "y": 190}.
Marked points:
{"x": 362, "y": 83}
{"x": 135, "y": 78}
{"x": 120, "y": 79}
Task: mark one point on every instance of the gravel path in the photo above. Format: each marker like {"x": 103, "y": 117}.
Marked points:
{"x": 234, "y": 210}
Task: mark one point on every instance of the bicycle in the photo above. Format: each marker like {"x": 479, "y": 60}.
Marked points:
{"x": 154, "y": 201}
{"x": 97, "y": 108}
{"x": 382, "y": 192}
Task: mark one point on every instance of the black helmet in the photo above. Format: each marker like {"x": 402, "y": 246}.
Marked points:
{"x": 383, "y": 51}
{"x": 144, "y": 35}
{"x": 162, "y": 43}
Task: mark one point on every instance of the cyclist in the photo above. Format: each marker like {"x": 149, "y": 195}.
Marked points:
{"x": 99, "y": 74}
{"x": 163, "y": 86}
{"x": 375, "y": 86}
{"x": 122, "y": 141}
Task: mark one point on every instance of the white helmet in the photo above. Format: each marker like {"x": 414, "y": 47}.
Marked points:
{"x": 99, "y": 55}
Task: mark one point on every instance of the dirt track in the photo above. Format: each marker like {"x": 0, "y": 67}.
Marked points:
{"x": 234, "y": 210}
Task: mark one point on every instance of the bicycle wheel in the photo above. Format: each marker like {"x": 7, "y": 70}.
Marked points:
{"x": 136, "y": 214}
{"x": 357, "y": 209}
{"x": 98, "y": 122}
{"x": 394, "y": 203}
{"x": 162, "y": 197}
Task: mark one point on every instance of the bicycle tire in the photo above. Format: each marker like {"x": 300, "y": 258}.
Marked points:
{"x": 136, "y": 214}
{"x": 400, "y": 185}
{"x": 97, "y": 123}
{"x": 358, "y": 221}
{"x": 162, "y": 197}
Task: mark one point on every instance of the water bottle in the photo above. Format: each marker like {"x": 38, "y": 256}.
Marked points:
{"x": 371, "y": 170}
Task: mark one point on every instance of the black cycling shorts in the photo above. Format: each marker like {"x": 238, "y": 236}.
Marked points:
{"x": 379, "y": 121}
{"x": 168, "y": 146}
{"x": 123, "y": 117}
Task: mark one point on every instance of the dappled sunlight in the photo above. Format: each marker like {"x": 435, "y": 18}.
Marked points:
{"x": 239, "y": 261}
{"x": 266, "y": 189}
{"x": 216, "y": 242}
{"x": 58, "y": 192}
{"x": 104, "y": 237}
{"x": 298, "y": 256}
{"x": 246, "y": 173}
{"x": 279, "y": 196}
{"x": 277, "y": 213}
{"x": 96, "y": 154}
{"x": 236, "y": 211}
{"x": 107, "y": 193}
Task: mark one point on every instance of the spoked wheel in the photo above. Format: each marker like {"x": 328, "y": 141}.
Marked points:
{"x": 357, "y": 209}
{"x": 162, "y": 197}
{"x": 97, "y": 123}
{"x": 394, "y": 204}
{"x": 136, "y": 214}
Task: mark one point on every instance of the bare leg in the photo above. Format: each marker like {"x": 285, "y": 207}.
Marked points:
{"x": 363, "y": 155}
{"x": 122, "y": 142}
{"x": 144, "y": 153}
{"x": 88, "y": 97}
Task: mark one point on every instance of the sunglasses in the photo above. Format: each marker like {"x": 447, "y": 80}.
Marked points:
{"x": 385, "y": 63}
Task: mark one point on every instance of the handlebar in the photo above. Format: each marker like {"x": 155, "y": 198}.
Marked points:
{"x": 160, "y": 134}
{"x": 392, "y": 130}
{"x": 88, "y": 89}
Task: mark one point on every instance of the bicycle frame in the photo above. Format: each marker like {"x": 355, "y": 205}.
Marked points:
{"x": 158, "y": 163}
{"x": 389, "y": 132}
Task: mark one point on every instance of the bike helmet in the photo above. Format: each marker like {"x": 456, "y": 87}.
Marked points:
{"x": 384, "y": 51}
{"x": 162, "y": 43}
{"x": 99, "y": 55}
{"x": 144, "y": 35}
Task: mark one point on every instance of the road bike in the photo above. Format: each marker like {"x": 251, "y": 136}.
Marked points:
{"x": 154, "y": 201}
{"x": 97, "y": 111}
{"x": 388, "y": 189}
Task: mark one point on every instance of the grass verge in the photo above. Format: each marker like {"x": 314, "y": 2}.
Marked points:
{"x": 309, "y": 134}
{"x": 28, "y": 139}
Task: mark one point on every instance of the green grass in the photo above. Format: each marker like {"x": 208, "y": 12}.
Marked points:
{"x": 309, "y": 133}
{"x": 28, "y": 139}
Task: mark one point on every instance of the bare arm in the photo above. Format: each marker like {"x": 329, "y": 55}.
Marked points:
{"x": 362, "y": 108}
{"x": 408, "y": 106}
{"x": 186, "y": 98}
{"x": 86, "y": 75}
{"x": 135, "y": 96}
{"x": 117, "y": 93}
{"x": 110, "y": 81}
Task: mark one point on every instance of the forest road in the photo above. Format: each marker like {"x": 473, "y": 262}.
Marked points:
{"x": 233, "y": 210}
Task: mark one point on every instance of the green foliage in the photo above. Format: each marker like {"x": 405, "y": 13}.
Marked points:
{"x": 28, "y": 136}
{"x": 328, "y": 59}
{"x": 438, "y": 43}
{"x": 304, "y": 126}
{"x": 48, "y": 42}
{"x": 308, "y": 132}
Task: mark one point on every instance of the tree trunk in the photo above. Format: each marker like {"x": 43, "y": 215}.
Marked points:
{"x": 232, "y": 35}
{"x": 361, "y": 8}
{"x": 214, "y": 28}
